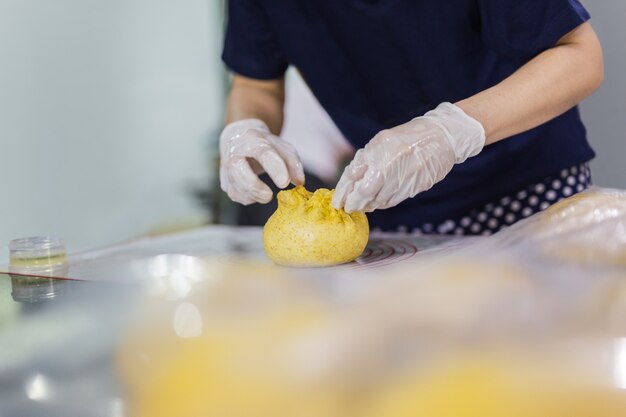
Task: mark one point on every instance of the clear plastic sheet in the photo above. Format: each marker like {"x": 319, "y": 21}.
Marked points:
{"x": 142, "y": 260}
{"x": 529, "y": 322}
{"x": 570, "y": 219}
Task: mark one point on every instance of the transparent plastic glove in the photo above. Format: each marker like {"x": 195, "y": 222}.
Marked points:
{"x": 401, "y": 162}
{"x": 247, "y": 149}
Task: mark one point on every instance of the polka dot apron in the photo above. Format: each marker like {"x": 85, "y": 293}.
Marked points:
{"x": 509, "y": 209}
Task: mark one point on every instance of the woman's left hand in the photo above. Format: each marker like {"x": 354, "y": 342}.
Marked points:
{"x": 401, "y": 162}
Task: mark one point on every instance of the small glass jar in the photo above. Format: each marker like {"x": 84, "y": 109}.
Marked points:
{"x": 37, "y": 254}
{"x": 36, "y": 289}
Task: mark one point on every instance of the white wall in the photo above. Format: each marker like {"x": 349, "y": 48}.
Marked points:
{"x": 605, "y": 112}
{"x": 106, "y": 110}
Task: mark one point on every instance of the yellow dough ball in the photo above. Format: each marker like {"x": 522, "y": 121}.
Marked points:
{"x": 306, "y": 230}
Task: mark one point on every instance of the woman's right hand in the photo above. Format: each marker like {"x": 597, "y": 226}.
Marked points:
{"x": 247, "y": 149}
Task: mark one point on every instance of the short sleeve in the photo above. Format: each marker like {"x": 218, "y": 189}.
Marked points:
{"x": 250, "y": 45}
{"x": 522, "y": 29}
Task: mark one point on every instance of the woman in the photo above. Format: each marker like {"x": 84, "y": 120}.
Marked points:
{"x": 463, "y": 111}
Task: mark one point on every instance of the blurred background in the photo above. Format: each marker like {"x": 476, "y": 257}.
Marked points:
{"x": 110, "y": 113}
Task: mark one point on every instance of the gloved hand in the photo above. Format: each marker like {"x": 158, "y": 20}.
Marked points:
{"x": 247, "y": 149}
{"x": 401, "y": 162}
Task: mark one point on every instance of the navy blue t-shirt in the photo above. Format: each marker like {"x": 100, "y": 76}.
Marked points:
{"x": 375, "y": 64}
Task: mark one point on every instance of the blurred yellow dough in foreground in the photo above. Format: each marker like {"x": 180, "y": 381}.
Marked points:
{"x": 306, "y": 230}
{"x": 497, "y": 386}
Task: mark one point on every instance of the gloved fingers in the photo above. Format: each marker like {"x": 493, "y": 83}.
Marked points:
{"x": 371, "y": 183}
{"x": 224, "y": 182}
{"x": 388, "y": 191}
{"x": 232, "y": 190}
{"x": 427, "y": 169}
{"x": 237, "y": 197}
{"x": 275, "y": 167}
{"x": 399, "y": 179}
{"x": 235, "y": 193}
{"x": 245, "y": 187}
{"x": 351, "y": 174}
{"x": 356, "y": 201}
{"x": 343, "y": 188}
{"x": 292, "y": 160}
{"x": 365, "y": 191}
{"x": 256, "y": 166}
{"x": 357, "y": 167}
{"x": 236, "y": 130}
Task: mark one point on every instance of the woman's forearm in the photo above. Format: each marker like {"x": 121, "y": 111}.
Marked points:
{"x": 546, "y": 87}
{"x": 254, "y": 99}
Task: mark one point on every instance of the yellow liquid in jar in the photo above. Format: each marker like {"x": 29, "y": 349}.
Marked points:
{"x": 33, "y": 262}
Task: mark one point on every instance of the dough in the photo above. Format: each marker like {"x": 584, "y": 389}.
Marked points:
{"x": 252, "y": 321}
{"x": 496, "y": 383}
{"x": 306, "y": 230}
{"x": 588, "y": 228}
{"x": 576, "y": 214}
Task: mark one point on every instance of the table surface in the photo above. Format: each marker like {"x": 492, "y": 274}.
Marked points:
{"x": 59, "y": 336}
{"x": 52, "y": 327}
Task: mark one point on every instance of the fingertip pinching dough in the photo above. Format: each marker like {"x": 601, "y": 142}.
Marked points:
{"x": 307, "y": 231}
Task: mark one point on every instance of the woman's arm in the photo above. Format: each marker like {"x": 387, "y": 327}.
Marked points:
{"x": 401, "y": 162}
{"x": 257, "y": 99}
{"x": 546, "y": 87}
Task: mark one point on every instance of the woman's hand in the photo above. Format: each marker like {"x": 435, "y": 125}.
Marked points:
{"x": 248, "y": 148}
{"x": 401, "y": 162}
